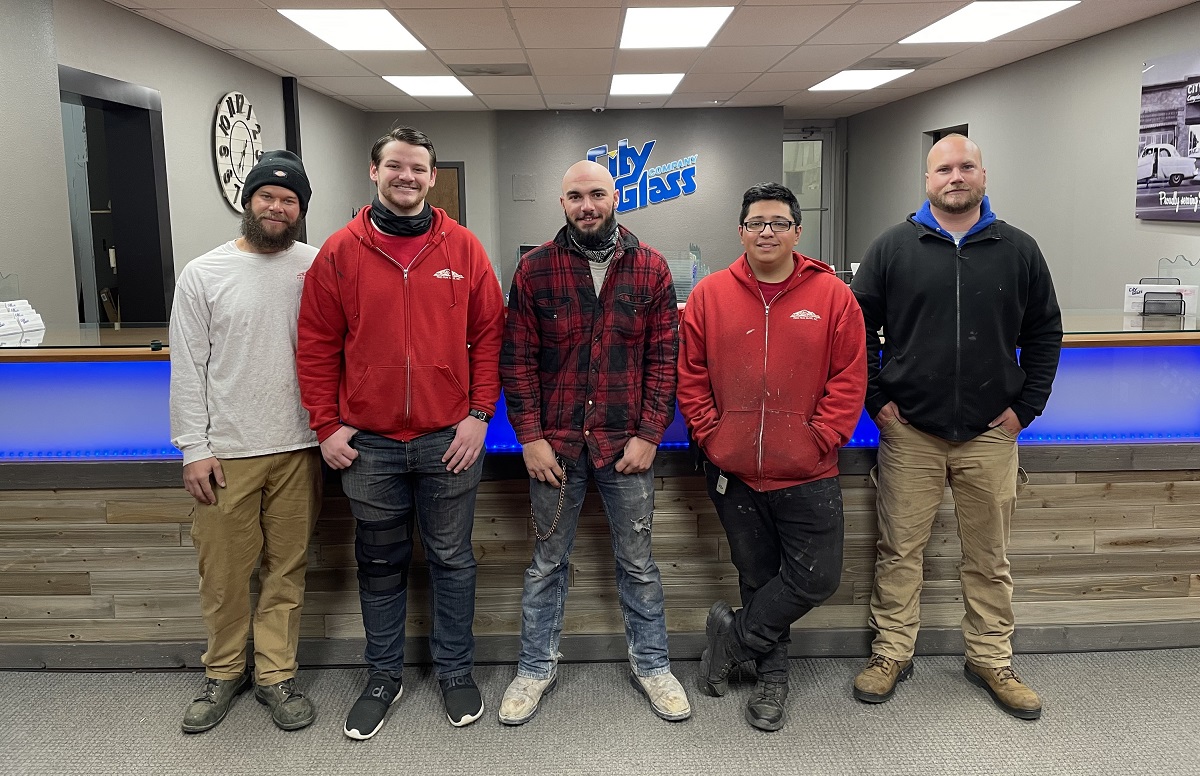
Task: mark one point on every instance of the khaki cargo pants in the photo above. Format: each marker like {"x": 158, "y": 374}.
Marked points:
{"x": 267, "y": 508}
{"x": 913, "y": 468}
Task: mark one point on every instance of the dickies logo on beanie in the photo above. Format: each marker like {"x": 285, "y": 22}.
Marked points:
{"x": 279, "y": 168}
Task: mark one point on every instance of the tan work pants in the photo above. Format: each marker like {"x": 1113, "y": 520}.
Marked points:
{"x": 268, "y": 507}
{"x": 913, "y": 468}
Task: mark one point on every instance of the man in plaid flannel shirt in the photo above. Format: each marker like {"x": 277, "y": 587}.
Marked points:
{"x": 588, "y": 367}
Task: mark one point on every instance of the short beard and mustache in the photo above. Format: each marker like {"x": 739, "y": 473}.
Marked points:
{"x": 260, "y": 238}
{"x": 941, "y": 202}
{"x": 596, "y": 239}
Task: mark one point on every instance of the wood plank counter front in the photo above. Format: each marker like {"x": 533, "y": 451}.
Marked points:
{"x": 97, "y": 567}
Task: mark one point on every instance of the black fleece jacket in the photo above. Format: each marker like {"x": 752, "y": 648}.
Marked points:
{"x": 953, "y": 318}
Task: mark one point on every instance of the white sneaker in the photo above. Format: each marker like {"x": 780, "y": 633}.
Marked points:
{"x": 522, "y": 697}
{"x": 665, "y": 694}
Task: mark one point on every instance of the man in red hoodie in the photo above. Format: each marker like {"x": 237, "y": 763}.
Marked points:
{"x": 398, "y": 359}
{"x": 772, "y": 374}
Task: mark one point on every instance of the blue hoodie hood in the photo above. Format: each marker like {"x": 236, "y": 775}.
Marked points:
{"x": 924, "y": 217}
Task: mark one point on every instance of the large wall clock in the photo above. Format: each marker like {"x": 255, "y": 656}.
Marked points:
{"x": 237, "y": 145}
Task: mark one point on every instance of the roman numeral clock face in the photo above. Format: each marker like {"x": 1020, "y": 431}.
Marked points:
{"x": 237, "y": 145}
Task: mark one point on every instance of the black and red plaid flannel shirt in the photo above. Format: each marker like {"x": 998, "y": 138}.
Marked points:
{"x": 578, "y": 369}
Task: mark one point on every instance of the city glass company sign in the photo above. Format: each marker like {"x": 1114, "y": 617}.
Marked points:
{"x": 638, "y": 183}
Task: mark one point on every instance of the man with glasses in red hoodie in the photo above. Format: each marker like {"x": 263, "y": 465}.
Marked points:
{"x": 772, "y": 374}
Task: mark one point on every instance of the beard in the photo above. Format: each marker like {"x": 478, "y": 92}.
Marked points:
{"x": 258, "y": 236}
{"x": 597, "y": 238}
{"x": 957, "y": 206}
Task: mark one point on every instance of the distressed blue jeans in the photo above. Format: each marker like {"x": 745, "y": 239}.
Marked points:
{"x": 629, "y": 504}
{"x": 787, "y": 547}
{"x": 390, "y": 485}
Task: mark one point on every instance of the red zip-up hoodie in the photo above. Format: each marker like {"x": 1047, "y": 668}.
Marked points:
{"x": 399, "y": 352}
{"x": 770, "y": 392}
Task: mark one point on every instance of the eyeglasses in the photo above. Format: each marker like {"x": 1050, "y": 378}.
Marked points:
{"x": 776, "y": 226}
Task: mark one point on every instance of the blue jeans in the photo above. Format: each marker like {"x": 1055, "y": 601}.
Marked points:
{"x": 787, "y": 547}
{"x": 629, "y": 504}
{"x": 389, "y": 484}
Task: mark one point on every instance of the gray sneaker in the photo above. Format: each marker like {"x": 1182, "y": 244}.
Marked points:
{"x": 207, "y": 709}
{"x": 290, "y": 709}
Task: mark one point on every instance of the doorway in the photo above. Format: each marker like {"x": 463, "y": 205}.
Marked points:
{"x": 120, "y": 219}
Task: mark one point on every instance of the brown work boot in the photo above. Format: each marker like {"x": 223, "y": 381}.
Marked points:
{"x": 877, "y": 682}
{"x": 1006, "y": 688}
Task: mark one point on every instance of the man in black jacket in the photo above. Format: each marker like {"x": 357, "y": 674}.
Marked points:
{"x": 956, "y": 292}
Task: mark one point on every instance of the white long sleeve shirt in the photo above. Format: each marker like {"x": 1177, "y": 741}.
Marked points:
{"x": 234, "y": 392}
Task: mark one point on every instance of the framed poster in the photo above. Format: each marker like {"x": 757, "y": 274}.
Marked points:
{"x": 450, "y": 191}
{"x": 1168, "y": 180}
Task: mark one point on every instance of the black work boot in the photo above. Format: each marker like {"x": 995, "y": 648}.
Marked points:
{"x": 717, "y": 660}
{"x": 765, "y": 709}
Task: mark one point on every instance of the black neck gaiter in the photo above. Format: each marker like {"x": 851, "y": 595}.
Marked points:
{"x": 400, "y": 226}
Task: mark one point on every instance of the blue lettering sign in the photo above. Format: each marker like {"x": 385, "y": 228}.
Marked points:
{"x": 637, "y": 184}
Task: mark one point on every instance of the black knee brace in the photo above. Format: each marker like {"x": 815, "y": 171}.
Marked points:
{"x": 383, "y": 550}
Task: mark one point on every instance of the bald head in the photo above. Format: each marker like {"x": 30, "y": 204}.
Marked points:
{"x": 954, "y": 145}
{"x": 586, "y": 175}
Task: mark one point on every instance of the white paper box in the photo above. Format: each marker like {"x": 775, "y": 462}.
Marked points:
{"x": 30, "y": 322}
{"x": 1135, "y": 294}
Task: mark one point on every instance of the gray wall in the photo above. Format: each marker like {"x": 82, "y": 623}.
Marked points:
{"x": 737, "y": 148}
{"x": 35, "y": 228}
{"x": 1059, "y": 138}
{"x": 100, "y": 38}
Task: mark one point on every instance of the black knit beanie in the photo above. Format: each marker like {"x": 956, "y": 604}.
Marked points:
{"x": 279, "y": 168}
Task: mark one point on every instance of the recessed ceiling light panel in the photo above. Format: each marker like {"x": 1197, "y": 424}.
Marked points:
{"x": 663, "y": 28}
{"x": 645, "y": 83}
{"x": 363, "y": 29}
{"x": 984, "y": 20}
{"x": 429, "y": 85}
{"x": 857, "y": 80}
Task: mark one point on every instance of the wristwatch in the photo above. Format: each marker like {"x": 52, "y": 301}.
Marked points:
{"x": 479, "y": 415}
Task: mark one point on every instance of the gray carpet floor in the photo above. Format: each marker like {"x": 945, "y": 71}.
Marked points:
{"x": 1104, "y": 713}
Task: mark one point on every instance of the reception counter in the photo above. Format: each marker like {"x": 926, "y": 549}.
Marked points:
{"x": 97, "y": 568}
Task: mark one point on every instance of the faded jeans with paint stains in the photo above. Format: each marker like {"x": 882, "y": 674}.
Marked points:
{"x": 628, "y": 501}
{"x": 787, "y": 547}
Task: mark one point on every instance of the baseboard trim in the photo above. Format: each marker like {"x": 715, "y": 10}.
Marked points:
{"x": 832, "y": 642}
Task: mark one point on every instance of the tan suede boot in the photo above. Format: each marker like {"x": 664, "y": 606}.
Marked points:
{"x": 1006, "y": 688}
{"x": 877, "y": 682}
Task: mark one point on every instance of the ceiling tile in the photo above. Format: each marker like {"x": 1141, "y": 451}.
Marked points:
{"x": 1091, "y": 18}
{"x": 312, "y": 62}
{"x": 575, "y": 101}
{"x": 400, "y": 102}
{"x": 460, "y": 28}
{"x": 557, "y": 4}
{"x": 500, "y": 84}
{"x": 318, "y": 4}
{"x": 451, "y": 104}
{"x": 249, "y": 30}
{"x": 191, "y": 4}
{"x": 739, "y": 59}
{"x": 571, "y": 61}
{"x": 444, "y": 3}
{"x": 399, "y": 62}
{"x": 638, "y": 102}
{"x": 751, "y": 99}
{"x": 996, "y": 53}
{"x": 874, "y": 96}
{"x": 883, "y": 23}
{"x": 715, "y": 82}
{"x": 930, "y": 77}
{"x": 827, "y": 58}
{"x": 922, "y": 50}
{"x": 582, "y": 27}
{"x": 698, "y": 99}
{"x": 512, "y": 56}
{"x": 514, "y": 101}
{"x": 777, "y": 82}
{"x": 366, "y": 85}
{"x": 656, "y": 60}
{"x": 575, "y": 84}
{"x": 174, "y": 24}
{"x": 766, "y": 26}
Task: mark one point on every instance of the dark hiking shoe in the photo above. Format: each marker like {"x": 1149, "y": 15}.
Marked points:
{"x": 290, "y": 709}
{"x": 765, "y": 709}
{"x": 207, "y": 709}
{"x": 717, "y": 660}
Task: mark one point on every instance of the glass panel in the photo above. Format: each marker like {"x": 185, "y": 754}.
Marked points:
{"x": 802, "y": 174}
